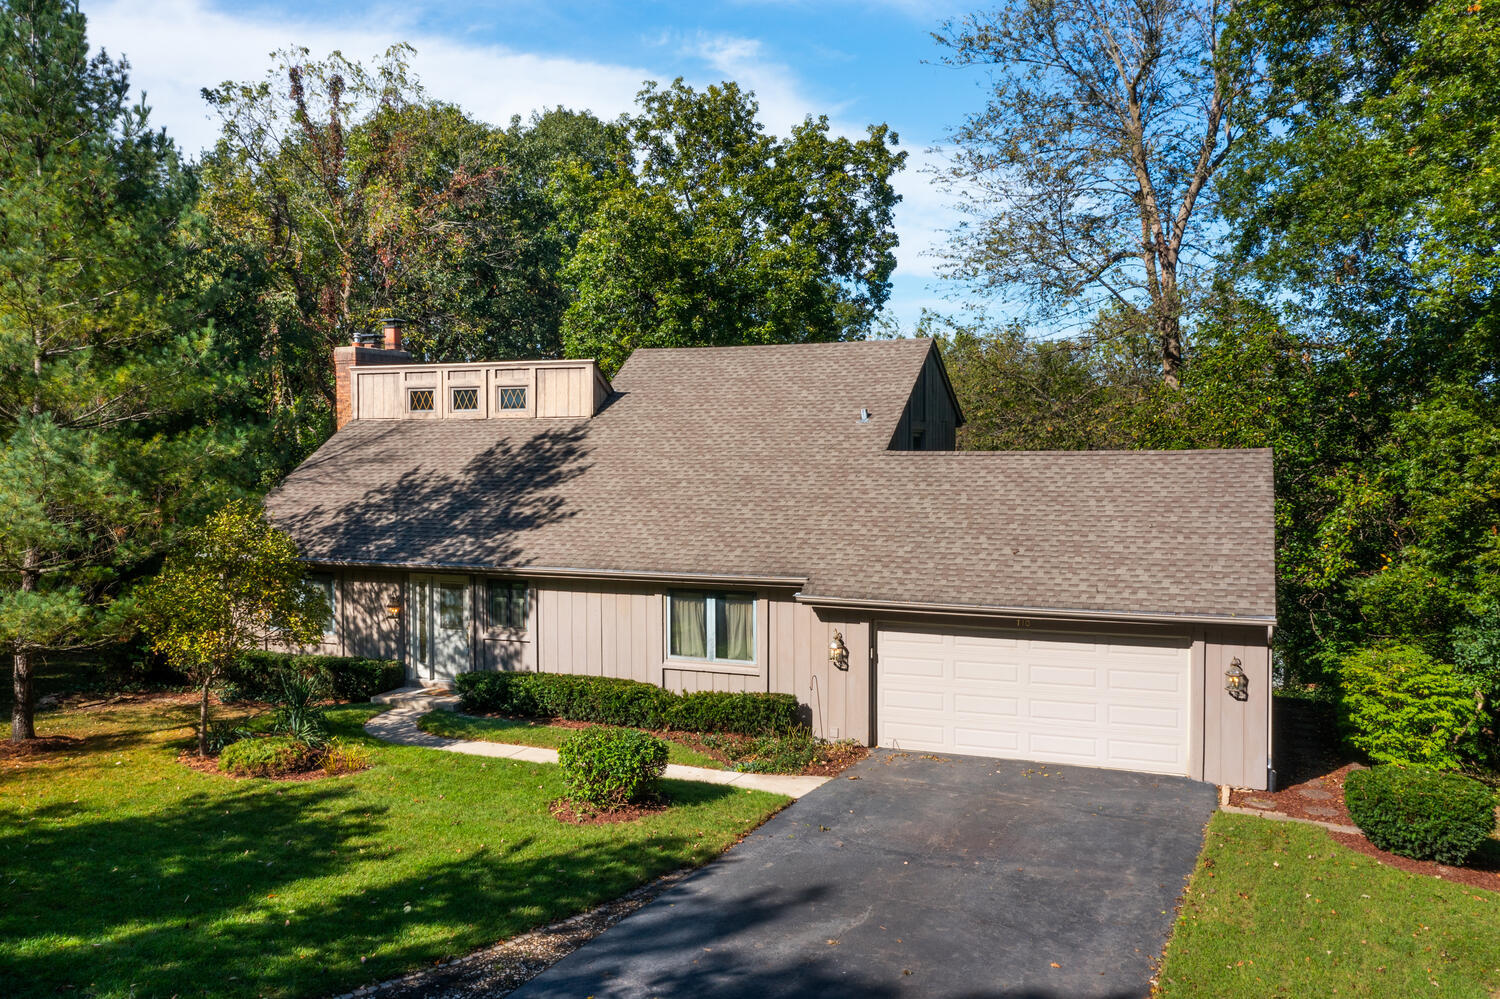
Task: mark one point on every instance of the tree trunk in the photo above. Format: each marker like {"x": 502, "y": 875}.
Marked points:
{"x": 22, "y": 724}
{"x": 203, "y": 722}
{"x": 22, "y": 720}
{"x": 1169, "y": 338}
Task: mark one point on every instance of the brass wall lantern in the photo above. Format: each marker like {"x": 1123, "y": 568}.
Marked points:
{"x": 393, "y": 607}
{"x": 1235, "y": 681}
{"x": 838, "y": 652}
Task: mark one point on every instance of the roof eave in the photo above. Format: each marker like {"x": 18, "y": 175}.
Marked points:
{"x": 1033, "y": 613}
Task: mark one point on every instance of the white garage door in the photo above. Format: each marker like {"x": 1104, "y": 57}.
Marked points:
{"x": 1095, "y": 700}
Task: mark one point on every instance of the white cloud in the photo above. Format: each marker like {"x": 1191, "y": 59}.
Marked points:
{"x": 177, "y": 47}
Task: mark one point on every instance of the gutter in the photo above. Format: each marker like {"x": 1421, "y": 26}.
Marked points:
{"x": 1038, "y": 613}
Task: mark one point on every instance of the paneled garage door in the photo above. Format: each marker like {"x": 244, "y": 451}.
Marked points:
{"x": 1096, "y": 700}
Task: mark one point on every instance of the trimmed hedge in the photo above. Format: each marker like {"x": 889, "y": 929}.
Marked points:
{"x": 1421, "y": 813}
{"x": 347, "y": 678}
{"x": 271, "y": 756}
{"x": 610, "y": 701}
{"x": 610, "y": 767}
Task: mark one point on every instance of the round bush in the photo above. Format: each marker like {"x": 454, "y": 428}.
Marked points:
{"x": 610, "y": 767}
{"x": 1421, "y": 813}
{"x": 275, "y": 756}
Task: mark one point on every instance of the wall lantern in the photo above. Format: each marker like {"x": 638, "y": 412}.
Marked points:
{"x": 1235, "y": 681}
{"x": 393, "y": 607}
{"x": 838, "y": 652}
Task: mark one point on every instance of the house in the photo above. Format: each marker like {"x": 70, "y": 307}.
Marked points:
{"x": 794, "y": 518}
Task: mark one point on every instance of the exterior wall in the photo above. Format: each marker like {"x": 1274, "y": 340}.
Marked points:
{"x": 362, "y": 624}
{"x": 1237, "y": 734}
{"x": 378, "y": 391}
{"x": 930, "y": 420}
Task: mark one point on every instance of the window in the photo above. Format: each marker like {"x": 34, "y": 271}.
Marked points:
{"x": 507, "y": 600}
{"x": 324, "y": 584}
{"x": 513, "y": 398}
{"x": 451, "y": 606}
{"x": 465, "y": 400}
{"x": 714, "y": 626}
{"x": 420, "y": 400}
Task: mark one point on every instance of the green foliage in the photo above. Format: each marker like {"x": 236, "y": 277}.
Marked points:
{"x": 103, "y": 362}
{"x": 610, "y": 767}
{"x": 1421, "y": 813}
{"x": 299, "y": 711}
{"x": 232, "y": 583}
{"x": 268, "y": 756}
{"x": 722, "y": 711}
{"x": 345, "y": 678}
{"x": 1476, "y": 657}
{"x": 1402, "y": 706}
{"x": 790, "y": 752}
{"x": 728, "y": 235}
{"x": 611, "y": 701}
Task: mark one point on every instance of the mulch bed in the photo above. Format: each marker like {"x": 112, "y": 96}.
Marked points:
{"x": 38, "y": 747}
{"x": 1313, "y": 767}
{"x": 210, "y": 765}
{"x": 566, "y": 811}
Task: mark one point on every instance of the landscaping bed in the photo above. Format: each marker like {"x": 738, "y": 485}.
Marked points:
{"x": 189, "y": 884}
{"x": 713, "y": 750}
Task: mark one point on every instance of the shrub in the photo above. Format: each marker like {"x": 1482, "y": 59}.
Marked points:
{"x": 345, "y": 678}
{"x": 610, "y": 701}
{"x": 747, "y": 714}
{"x": 340, "y": 757}
{"x": 273, "y": 756}
{"x": 610, "y": 767}
{"x": 299, "y": 713}
{"x": 1402, "y": 706}
{"x": 1421, "y": 813}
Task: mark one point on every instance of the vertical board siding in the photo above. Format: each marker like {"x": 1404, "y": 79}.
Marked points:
{"x": 931, "y": 407}
{"x": 1236, "y": 734}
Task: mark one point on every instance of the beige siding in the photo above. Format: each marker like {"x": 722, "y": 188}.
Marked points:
{"x": 1237, "y": 734}
{"x": 557, "y": 389}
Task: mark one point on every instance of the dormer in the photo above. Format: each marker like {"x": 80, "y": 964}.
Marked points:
{"x": 382, "y": 383}
{"x": 931, "y": 417}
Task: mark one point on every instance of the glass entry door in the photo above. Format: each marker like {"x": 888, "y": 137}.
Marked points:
{"x": 439, "y": 628}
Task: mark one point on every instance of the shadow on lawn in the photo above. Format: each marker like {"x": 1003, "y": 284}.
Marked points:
{"x": 189, "y": 901}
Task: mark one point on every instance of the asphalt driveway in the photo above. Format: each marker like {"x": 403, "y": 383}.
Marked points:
{"x": 926, "y": 876}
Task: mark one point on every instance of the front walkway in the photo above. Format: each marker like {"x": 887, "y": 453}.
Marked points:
{"x": 399, "y": 725}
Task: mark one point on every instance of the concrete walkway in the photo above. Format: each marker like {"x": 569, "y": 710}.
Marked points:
{"x": 399, "y": 725}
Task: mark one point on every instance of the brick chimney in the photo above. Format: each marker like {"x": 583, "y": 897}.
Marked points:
{"x": 344, "y": 358}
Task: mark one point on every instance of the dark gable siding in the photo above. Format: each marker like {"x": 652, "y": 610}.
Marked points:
{"x": 930, "y": 420}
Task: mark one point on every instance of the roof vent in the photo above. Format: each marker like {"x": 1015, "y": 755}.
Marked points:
{"x": 864, "y": 415}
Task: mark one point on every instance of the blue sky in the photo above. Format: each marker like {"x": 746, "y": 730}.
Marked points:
{"x": 855, "y": 62}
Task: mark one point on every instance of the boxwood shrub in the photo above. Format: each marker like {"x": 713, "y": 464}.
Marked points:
{"x": 1421, "y": 813}
{"x": 611, "y": 701}
{"x": 610, "y": 767}
{"x": 270, "y": 756}
{"x": 347, "y": 678}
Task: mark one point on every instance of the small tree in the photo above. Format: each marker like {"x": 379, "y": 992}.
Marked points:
{"x": 230, "y": 584}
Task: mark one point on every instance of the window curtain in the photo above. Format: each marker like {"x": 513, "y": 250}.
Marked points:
{"x": 734, "y": 628}
{"x": 689, "y": 625}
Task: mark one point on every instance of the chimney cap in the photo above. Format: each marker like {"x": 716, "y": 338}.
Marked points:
{"x": 393, "y": 321}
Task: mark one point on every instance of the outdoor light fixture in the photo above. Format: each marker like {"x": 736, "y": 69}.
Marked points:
{"x": 838, "y": 652}
{"x": 1235, "y": 680}
{"x": 393, "y": 608}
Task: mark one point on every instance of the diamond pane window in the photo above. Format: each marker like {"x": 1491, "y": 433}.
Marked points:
{"x": 513, "y": 398}
{"x": 465, "y": 399}
{"x": 421, "y": 400}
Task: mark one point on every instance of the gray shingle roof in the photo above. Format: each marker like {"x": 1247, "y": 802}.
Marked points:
{"x": 750, "y": 461}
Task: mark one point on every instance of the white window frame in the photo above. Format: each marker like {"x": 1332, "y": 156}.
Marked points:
{"x": 453, "y": 391}
{"x": 500, "y": 391}
{"x": 711, "y": 625}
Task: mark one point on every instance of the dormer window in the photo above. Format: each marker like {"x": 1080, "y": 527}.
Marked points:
{"x": 513, "y": 398}
{"x": 465, "y": 400}
{"x": 420, "y": 400}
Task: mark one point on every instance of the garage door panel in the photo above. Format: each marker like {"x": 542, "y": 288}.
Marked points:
{"x": 979, "y": 704}
{"x": 1063, "y": 675}
{"x": 1110, "y": 701}
{"x": 986, "y": 672}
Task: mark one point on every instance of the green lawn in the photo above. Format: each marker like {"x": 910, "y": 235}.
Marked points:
{"x": 451, "y": 725}
{"x": 1280, "y": 909}
{"x": 127, "y": 874}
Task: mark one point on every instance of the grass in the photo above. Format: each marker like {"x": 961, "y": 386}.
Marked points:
{"x": 1281, "y": 909}
{"x": 521, "y": 732}
{"x": 128, "y": 874}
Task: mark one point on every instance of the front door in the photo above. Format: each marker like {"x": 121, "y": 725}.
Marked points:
{"x": 439, "y": 628}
